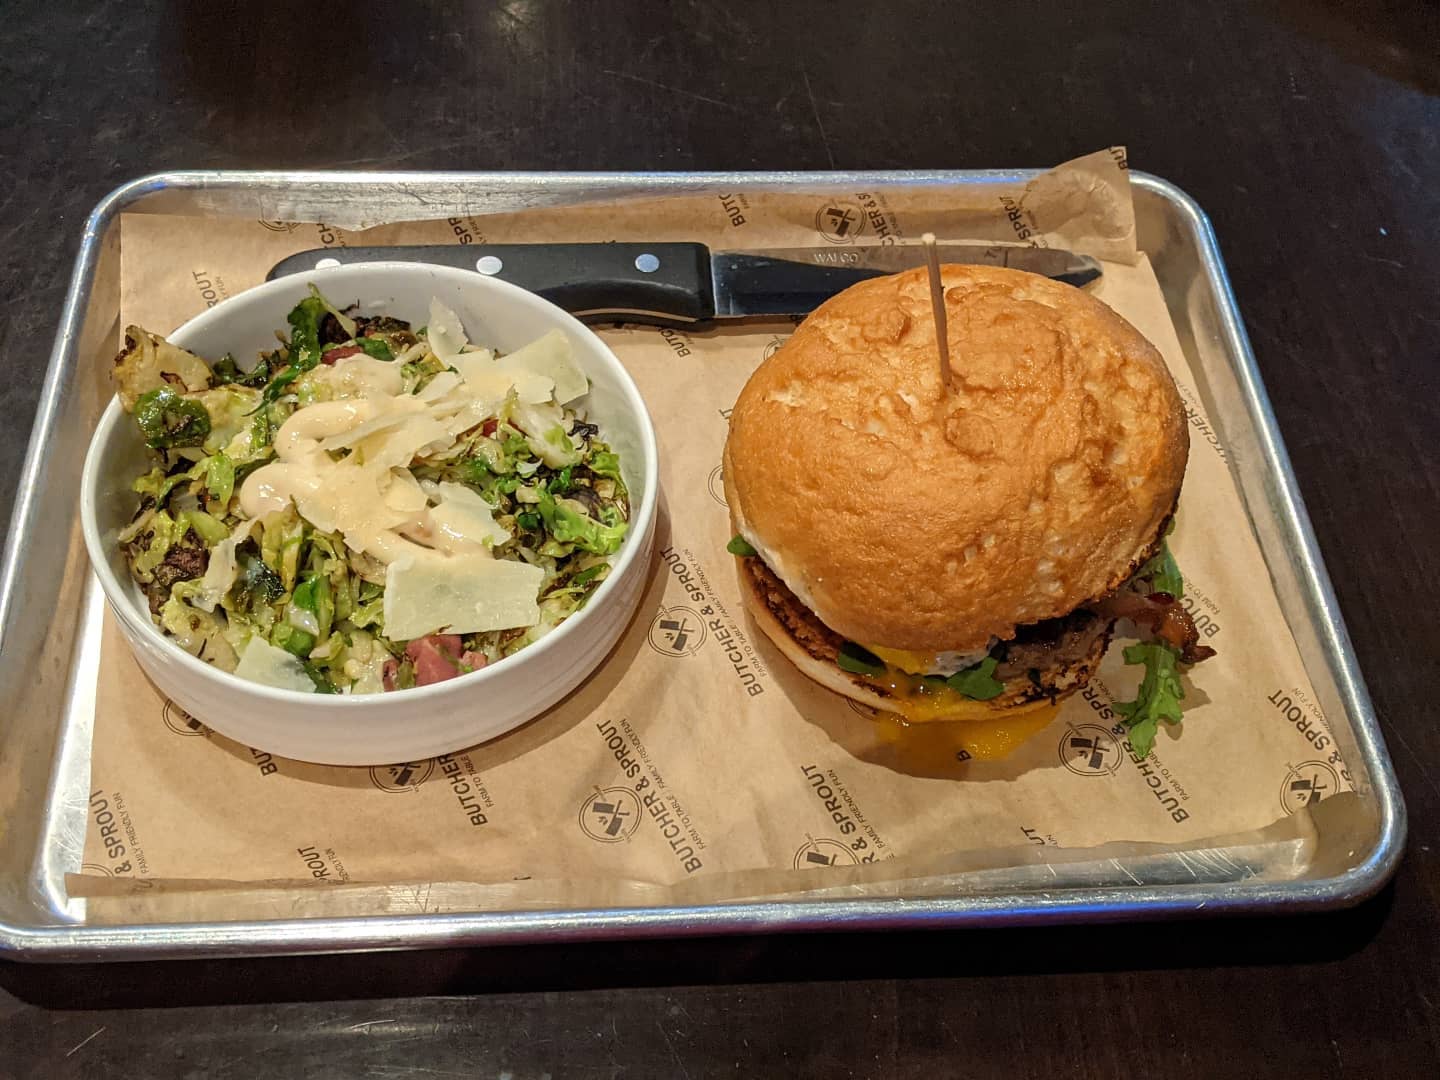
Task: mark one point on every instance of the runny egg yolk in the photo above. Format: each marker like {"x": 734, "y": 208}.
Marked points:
{"x": 918, "y": 721}
{"x": 927, "y": 743}
{"x": 918, "y": 663}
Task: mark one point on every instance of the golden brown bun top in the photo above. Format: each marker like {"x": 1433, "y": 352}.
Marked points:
{"x": 914, "y": 519}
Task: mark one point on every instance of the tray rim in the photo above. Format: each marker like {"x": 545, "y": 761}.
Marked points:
{"x": 81, "y": 943}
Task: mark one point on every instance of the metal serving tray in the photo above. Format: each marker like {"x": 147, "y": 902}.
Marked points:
{"x": 50, "y": 610}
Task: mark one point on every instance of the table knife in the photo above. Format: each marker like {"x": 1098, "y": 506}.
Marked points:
{"x": 680, "y": 284}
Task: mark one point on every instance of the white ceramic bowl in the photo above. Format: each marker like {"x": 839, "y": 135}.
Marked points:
{"x": 405, "y": 725}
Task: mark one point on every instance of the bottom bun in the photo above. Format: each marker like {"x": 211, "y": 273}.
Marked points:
{"x": 815, "y": 659}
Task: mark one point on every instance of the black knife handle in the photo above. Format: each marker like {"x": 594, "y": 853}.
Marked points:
{"x": 658, "y": 284}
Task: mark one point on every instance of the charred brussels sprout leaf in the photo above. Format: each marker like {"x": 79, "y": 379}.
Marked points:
{"x": 168, "y": 420}
{"x": 304, "y": 320}
{"x": 226, "y": 372}
{"x": 376, "y": 348}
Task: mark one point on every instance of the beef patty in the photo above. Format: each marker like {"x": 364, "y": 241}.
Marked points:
{"x": 1042, "y": 660}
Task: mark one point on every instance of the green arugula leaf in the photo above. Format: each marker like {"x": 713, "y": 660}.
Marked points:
{"x": 1162, "y": 573}
{"x": 978, "y": 682}
{"x": 1159, "y": 696}
{"x": 304, "y": 320}
{"x": 740, "y": 546}
{"x": 855, "y": 659}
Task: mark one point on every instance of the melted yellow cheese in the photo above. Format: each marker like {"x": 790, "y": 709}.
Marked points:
{"x": 905, "y": 660}
{"x": 931, "y": 744}
{"x": 918, "y": 700}
{"x": 924, "y": 711}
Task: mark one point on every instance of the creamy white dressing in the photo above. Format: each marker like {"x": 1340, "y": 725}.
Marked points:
{"x": 369, "y": 496}
{"x": 343, "y": 462}
{"x": 361, "y": 376}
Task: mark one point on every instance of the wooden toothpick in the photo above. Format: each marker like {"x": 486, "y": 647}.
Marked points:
{"x": 937, "y": 307}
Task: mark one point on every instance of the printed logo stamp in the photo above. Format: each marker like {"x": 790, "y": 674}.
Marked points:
{"x": 406, "y": 776}
{"x": 677, "y": 631}
{"x": 610, "y": 815}
{"x": 1089, "y": 750}
{"x": 840, "y": 222}
{"x": 824, "y": 852}
{"x": 181, "y": 722}
{"x": 1306, "y": 784}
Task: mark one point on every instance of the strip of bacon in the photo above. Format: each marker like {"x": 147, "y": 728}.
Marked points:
{"x": 437, "y": 658}
{"x": 329, "y": 356}
{"x": 1163, "y": 616}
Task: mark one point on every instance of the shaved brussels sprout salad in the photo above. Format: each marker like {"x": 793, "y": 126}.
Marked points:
{"x": 368, "y": 506}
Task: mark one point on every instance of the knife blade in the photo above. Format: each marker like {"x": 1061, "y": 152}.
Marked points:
{"x": 681, "y": 284}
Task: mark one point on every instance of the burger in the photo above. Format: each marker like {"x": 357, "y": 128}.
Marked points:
{"x": 965, "y": 550}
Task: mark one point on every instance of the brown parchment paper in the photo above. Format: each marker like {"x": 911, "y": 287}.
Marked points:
{"x": 695, "y": 764}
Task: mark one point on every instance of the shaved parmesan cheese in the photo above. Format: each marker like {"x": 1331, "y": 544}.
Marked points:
{"x": 438, "y": 387}
{"x": 263, "y": 663}
{"x": 483, "y": 370}
{"x": 546, "y": 434}
{"x": 413, "y": 353}
{"x": 459, "y": 594}
{"x": 486, "y": 380}
{"x": 404, "y": 492}
{"x": 552, "y": 357}
{"x": 374, "y": 501}
{"x": 464, "y": 517}
{"x": 532, "y": 389}
{"x": 397, "y": 446}
{"x": 444, "y": 332}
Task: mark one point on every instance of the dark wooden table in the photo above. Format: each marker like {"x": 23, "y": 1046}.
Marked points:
{"x": 1309, "y": 129}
